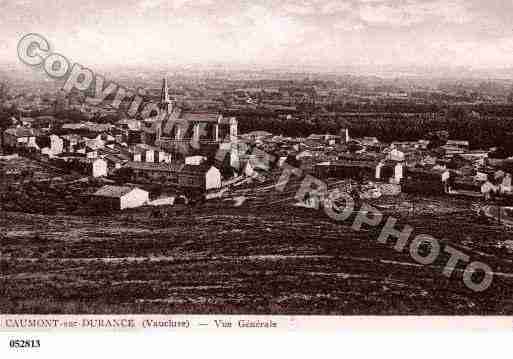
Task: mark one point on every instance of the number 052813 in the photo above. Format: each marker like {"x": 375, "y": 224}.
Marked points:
{"x": 24, "y": 343}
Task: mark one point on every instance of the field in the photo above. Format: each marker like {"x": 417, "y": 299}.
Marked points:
{"x": 252, "y": 252}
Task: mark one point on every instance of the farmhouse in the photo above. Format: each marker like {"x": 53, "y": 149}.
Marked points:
{"x": 396, "y": 155}
{"x": 357, "y": 170}
{"x": 164, "y": 173}
{"x": 430, "y": 180}
{"x": 120, "y": 198}
{"x": 195, "y": 160}
{"x": 464, "y": 145}
{"x": 20, "y": 137}
{"x": 201, "y": 177}
{"x": 99, "y": 168}
{"x": 390, "y": 171}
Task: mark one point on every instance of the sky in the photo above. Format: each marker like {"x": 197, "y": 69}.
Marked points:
{"x": 279, "y": 33}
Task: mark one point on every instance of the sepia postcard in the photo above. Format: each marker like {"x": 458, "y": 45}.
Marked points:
{"x": 294, "y": 165}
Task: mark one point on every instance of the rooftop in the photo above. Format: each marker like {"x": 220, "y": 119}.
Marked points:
{"x": 113, "y": 191}
{"x": 200, "y": 116}
{"x": 162, "y": 167}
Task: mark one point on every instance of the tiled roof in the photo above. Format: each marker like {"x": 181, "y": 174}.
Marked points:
{"x": 163, "y": 167}
{"x": 361, "y": 164}
{"x": 113, "y": 191}
{"x": 200, "y": 116}
{"x": 201, "y": 169}
{"x": 114, "y": 159}
{"x": 20, "y": 132}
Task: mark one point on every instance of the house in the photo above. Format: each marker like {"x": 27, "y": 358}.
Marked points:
{"x": 396, "y": 155}
{"x": 252, "y": 169}
{"x": 477, "y": 157}
{"x": 429, "y": 161}
{"x": 449, "y": 150}
{"x": 16, "y": 137}
{"x": 120, "y": 198}
{"x": 201, "y": 177}
{"x": 163, "y": 173}
{"x": 488, "y": 189}
{"x": 161, "y": 156}
{"x": 27, "y": 121}
{"x": 505, "y": 186}
{"x": 344, "y": 135}
{"x": 423, "y": 144}
{"x": 499, "y": 185}
{"x": 258, "y": 135}
{"x": 149, "y": 154}
{"x": 93, "y": 167}
{"x": 332, "y": 140}
{"x": 195, "y": 160}
{"x": 94, "y": 144}
{"x": 99, "y": 168}
{"x": 71, "y": 142}
{"x": 503, "y": 182}
{"x": 91, "y": 153}
{"x": 304, "y": 154}
{"x": 143, "y": 153}
{"x": 390, "y": 171}
{"x": 481, "y": 176}
{"x": 369, "y": 141}
{"x": 465, "y": 184}
{"x": 464, "y": 145}
{"x": 136, "y": 156}
{"x": 405, "y": 145}
{"x": 56, "y": 146}
{"x": 88, "y": 126}
{"x": 114, "y": 162}
{"x": 357, "y": 170}
{"x": 129, "y": 124}
{"x": 426, "y": 180}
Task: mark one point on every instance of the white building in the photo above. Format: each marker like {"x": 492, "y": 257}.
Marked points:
{"x": 390, "y": 171}
{"x": 56, "y": 146}
{"x": 20, "y": 137}
{"x": 396, "y": 155}
{"x": 120, "y": 198}
{"x": 199, "y": 177}
{"x": 100, "y": 168}
{"x": 195, "y": 160}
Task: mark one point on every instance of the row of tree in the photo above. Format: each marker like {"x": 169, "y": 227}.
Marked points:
{"x": 483, "y": 131}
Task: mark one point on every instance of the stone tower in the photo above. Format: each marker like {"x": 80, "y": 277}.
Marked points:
{"x": 165, "y": 104}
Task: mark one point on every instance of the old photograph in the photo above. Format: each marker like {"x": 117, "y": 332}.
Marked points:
{"x": 294, "y": 157}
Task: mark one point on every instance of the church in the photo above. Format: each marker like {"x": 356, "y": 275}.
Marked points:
{"x": 186, "y": 133}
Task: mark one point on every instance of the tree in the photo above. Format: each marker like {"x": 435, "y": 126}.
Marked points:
{"x": 437, "y": 138}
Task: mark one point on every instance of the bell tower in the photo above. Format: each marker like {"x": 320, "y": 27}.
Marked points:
{"x": 165, "y": 104}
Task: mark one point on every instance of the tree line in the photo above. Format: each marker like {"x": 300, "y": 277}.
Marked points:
{"x": 482, "y": 130}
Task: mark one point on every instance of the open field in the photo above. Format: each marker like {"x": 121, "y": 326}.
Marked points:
{"x": 263, "y": 256}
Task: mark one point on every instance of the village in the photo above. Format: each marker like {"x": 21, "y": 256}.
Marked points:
{"x": 174, "y": 209}
{"x": 179, "y": 157}
{"x": 106, "y": 209}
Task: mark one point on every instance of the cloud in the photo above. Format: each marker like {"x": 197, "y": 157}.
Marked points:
{"x": 333, "y": 7}
{"x": 258, "y": 25}
{"x": 259, "y": 31}
{"x": 316, "y": 7}
{"x": 299, "y": 8}
{"x": 473, "y": 53}
{"x": 414, "y": 12}
{"x": 349, "y": 25}
{"x": 173, "y": 4}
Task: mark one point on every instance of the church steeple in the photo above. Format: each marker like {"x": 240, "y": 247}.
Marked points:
{"x": 165, "y": 103}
